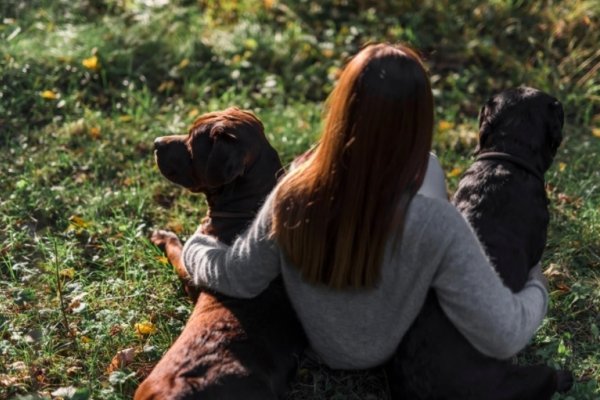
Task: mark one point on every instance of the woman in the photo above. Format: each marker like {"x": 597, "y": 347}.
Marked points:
{"x": 357, "y": 247}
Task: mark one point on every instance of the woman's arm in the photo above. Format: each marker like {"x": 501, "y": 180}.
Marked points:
{"x": 496, "y": 321}
{"x": 434, "y": 183}
{"x": 243, "y": 269}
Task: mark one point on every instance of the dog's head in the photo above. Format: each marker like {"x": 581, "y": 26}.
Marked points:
{"x": 219, "y": 148}
{"x": 524, "y": 122}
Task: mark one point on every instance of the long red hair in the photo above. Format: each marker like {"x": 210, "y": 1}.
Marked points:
{"x": 334, "y": 214}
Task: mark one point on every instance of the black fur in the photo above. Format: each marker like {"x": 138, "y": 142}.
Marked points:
{"x": 504, "y": 199}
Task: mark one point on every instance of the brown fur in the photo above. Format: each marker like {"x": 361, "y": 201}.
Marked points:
{"x": 230, "y": 348}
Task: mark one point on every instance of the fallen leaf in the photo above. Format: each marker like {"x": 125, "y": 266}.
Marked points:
{"x": 125, "y": 118}
{"x": 556, "y": 271}
{"x": 145, "y": 328}
{"x": 175, "y": 227}
{"x": 166, "y": 85}
{"x": 122, "y": 359}
{"x": 563, "y": 288}
{"x": 566, "y": 199}
{"x": 77, "y": 224}
{"x": 49, "y": 95}
{"x": 115, "y": 330}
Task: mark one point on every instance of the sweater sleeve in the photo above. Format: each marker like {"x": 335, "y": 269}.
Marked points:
{"x": 496, "y": 321}
{"x": 243, "y": 269}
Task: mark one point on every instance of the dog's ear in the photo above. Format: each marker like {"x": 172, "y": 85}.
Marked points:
{"x": 485, "y": 124}
{"x": 225, "y": 161}
{"x": 555, "y": 125}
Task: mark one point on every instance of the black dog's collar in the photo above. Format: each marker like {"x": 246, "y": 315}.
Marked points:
{"x": 496, "y": 155}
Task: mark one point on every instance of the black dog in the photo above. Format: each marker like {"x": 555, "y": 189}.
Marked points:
{"x": 503, "y": 196}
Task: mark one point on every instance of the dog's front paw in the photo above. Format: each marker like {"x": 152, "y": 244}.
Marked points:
{"x": 162, "y": 239}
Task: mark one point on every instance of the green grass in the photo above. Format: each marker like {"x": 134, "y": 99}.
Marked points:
{"x": 79, "y": 192}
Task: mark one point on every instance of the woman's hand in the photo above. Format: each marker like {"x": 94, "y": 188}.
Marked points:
{"x": 537, "y": 274}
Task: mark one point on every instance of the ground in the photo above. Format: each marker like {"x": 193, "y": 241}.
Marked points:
{"x": 88, "y": 305}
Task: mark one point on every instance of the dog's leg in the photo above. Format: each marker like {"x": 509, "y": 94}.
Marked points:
{"x": 171, "y": 245}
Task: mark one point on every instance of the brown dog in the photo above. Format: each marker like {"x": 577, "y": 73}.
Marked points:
{"x": 230, "y": 348}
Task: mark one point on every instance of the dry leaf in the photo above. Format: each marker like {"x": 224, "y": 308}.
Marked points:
{"x": 122, "y": 359}
{"x": 175, "y": 227}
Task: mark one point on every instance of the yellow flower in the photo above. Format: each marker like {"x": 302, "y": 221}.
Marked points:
{"x": 85, "y": 339}
{"x": 49, "y": 95}
{"x": 193, "y": 112}
{"x": 92, "y": 63}
{"x": 125, "y": 118}
{"x": 327, "y": 53}
{"x": 77, "y": 224}
{"x": 166, "y": 86}
{"x": 95, "y": 132}
{"x": 184, "y": 63}
{"x": 250, "y": 44}
{"x": 562, "y": 166}
{"x": 67, "y": 273}
{"x": 145, "y": 328}
{"x": 444, "y": 125}
{"x": 456, "y": 171}
{"x": 596, "y": 132}
{"x": 162, "y": 259}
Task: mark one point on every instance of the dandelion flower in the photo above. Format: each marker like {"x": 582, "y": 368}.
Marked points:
{"x": 92, "y": 63}
{"x": 49, "y": 95}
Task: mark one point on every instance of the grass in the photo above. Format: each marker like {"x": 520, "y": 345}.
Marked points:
{"x": 85, "y": 87}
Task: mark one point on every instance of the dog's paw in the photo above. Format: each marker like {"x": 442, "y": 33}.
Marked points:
{"x": 564, "y": 381}
{"x": 162, "y": 239}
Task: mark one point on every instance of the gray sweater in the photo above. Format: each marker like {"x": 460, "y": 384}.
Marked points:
{"x": 355, "y": 329}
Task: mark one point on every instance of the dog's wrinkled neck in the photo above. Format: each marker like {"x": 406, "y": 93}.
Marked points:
{"x": 232, "y": 207}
